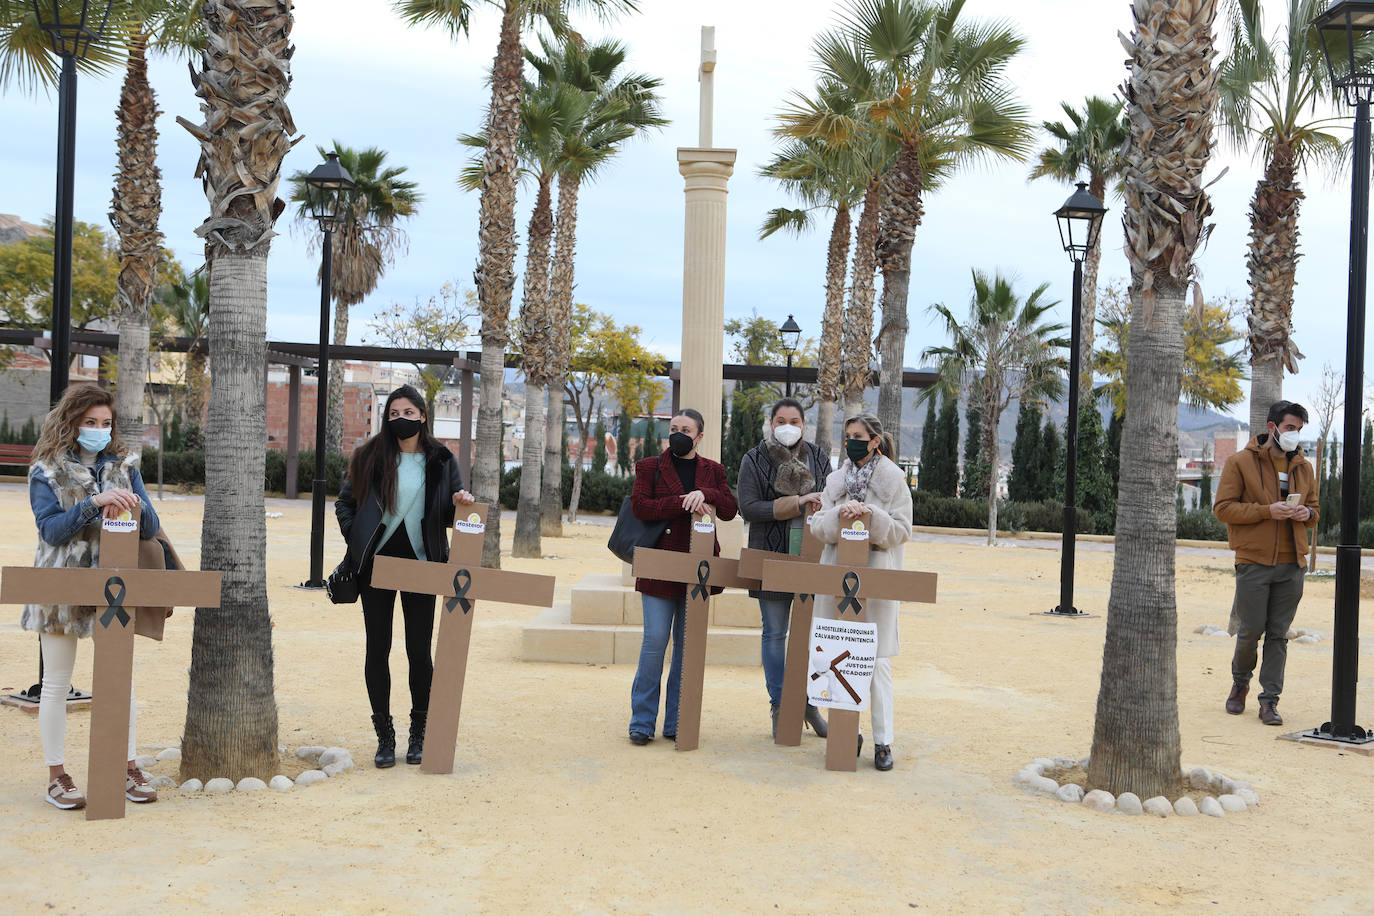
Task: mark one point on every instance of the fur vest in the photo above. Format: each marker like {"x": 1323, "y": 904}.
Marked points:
{"x": 73, "y": 482}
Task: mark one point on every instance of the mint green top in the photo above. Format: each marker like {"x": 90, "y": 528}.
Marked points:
{"x": 410, "y": 502}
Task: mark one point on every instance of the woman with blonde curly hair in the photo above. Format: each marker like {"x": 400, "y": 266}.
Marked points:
{"x": 80, "y": 473}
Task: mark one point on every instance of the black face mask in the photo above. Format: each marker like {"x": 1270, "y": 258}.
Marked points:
{"x": 404, "y": 427}
{"x": 856, "y": 449}
{"x": 680, "y": 444}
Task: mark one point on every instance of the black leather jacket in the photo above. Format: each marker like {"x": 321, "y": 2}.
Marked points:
{"x": 362, "y": 524}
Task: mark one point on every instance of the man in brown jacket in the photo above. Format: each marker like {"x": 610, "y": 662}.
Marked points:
{"x": 1268, "y": 499}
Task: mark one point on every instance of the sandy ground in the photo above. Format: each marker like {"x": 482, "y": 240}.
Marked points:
{"x": 551, "y": 809}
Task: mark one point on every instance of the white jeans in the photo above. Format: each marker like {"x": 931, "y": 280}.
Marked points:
{"x": 59, "y": 657}
{"x": 880, "y": 701}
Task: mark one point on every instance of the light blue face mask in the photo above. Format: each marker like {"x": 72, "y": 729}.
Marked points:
{"x": 93, "y": 440}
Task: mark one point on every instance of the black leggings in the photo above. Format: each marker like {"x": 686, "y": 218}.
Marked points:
{"x": 379, "y": 605}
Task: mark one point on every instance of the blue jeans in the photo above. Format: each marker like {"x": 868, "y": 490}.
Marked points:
{"x": 662, "y": 616}
{"x": 775, "y": 615}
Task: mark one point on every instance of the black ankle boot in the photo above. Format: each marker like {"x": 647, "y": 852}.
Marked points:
{"x": 386, "y": 742}
{"x": 417, "y": 735}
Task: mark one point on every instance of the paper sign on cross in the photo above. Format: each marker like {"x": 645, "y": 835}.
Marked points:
{"x": 461, "y": 582}
{"x": 123, "y": 595}
{"x": 792, "y": 710}
{"x": 850, "y": 579}
{"x": 699, "y": 569}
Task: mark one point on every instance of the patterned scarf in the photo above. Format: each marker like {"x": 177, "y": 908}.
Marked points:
{"x": 856, "y": 478}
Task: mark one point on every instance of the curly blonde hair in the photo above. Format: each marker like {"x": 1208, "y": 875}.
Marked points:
{"x": 63, "y": 423}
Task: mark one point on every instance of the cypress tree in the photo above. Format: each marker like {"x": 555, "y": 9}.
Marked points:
{"x": 652, "y": 446}
{"x": 1095, "y": 492}
{"x": 599, "y": 451}
{"x": 1112, "y": 450}
{"x": 928, "y": 459}
{"x": 975, "y": 480}
{"x": 1021, "y": 486}
{"x": 1051, "y": 475}
{"x": 947, "y": 448}
{"x": 1205, "y": 485}
{"x": 1367, "y": 471}
{"x": 623, "y": 442}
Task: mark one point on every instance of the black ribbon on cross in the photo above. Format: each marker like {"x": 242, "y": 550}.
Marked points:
{"x": 462, "y": 581}
{"x": 114, "y": 603}
{"x": 850, "y": 601}
{"x": 703, "y": 576}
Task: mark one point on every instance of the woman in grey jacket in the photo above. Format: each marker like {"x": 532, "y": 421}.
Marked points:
{"x": 778, "y": 479}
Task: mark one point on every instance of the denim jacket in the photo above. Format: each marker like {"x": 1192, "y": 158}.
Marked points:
{"x": 57, "y": 526}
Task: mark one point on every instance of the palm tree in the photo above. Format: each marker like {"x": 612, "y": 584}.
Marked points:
{"x": 231, "y": 712}
{"x": 187, "y": 305}
{"x": 553, "y": 109}
{"x": 937, "y": 88}
{"x": 1004, "y": 350}
{"x": 26, "y": 60}
{"x": 365, "y": 244}
{"x": 823, "y": 177}
{"x": 624, "y": 106}
{"x": 1270, "y": 87}
{"x": 1171, "y": 95}
{"x": 495, "y": 274}
{"x": 1091, "y": 142}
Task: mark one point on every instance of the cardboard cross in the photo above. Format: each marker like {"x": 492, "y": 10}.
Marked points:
{"x": 123, "y": 596}
{"x": 850, "y": 579}
{"x": 699, "y": 569}
{"x": 462, "y": 581}
{"x": 792, "y": 710}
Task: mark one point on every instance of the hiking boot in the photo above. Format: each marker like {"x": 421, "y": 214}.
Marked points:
{"x": 386, "y": 742}
{"x": 136, "y": 788}
{"x": 416, "y": 747}
{"x": 1235, "y": 703}
{"x": 62, "y": 793}
{"x": 1269, "y": 713}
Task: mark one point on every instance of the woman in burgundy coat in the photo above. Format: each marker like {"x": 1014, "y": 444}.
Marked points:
{"x": 670, "y": 487}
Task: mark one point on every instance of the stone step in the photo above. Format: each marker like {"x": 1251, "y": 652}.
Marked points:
{"x": 598, "y": 599}
{"x": 554, "y": 637}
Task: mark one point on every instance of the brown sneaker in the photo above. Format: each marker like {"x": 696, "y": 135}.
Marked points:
{"x": 136, "y": 788}
{"x": 1269, "y": 713}
{"x": 1235, "y": 703}
{"x": 62, "y": 793}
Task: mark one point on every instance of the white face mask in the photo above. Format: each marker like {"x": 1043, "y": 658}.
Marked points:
{"x": 1288, "y": 441}
{"x": 787, "y": 435}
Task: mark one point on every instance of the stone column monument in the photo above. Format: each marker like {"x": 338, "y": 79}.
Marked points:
{"x": 707, "y": 171}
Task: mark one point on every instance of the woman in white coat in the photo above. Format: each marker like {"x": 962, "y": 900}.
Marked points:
{"x": 869, "y": 481}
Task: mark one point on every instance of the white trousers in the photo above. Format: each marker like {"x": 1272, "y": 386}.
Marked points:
{"x": 59, "y": 657}
{"x": 880, "y": 701}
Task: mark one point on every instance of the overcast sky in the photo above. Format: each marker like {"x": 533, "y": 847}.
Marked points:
{"x": 362, "y": 77}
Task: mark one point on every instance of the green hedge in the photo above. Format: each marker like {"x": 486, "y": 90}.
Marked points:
{"x": 189, "y": 468}
{"x": 948, "y": 512}
{"x": 601, "y": 492}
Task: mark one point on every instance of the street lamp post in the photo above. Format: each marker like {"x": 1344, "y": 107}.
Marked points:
{"x": 790, "y": 332}
{"x": 72, "y": 29}
{"x": 1345, "y": 30}
{"x": 328, "y": 186}
{"x": 1080, "y": 221}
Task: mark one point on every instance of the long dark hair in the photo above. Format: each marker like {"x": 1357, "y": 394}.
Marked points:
{"x": 374, "y": 462}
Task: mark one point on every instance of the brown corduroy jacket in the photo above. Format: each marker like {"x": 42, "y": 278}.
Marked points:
{"x": 1249, "y": 485}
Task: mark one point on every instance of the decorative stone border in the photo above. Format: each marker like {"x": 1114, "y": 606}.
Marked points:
{"x": 329, "y": 762}
{"x": 1225, "y": 795}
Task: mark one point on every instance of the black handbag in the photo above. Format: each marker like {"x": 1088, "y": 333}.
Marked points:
{"x": 631, "y": 532}
{"x": 342, "y": 584}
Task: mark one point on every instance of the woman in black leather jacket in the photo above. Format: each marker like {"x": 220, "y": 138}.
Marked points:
{"x": 399, "y": 499}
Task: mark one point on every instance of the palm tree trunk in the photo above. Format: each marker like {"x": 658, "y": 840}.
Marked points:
{"x": 527, "y": 515}
{"x": 902, "y": 212}
{"x": 1273, "y": 264}
{"x": 135, "y": 210}
{"x": 534, "y": 330}
{"x": 1136, "y": 740}
{"x": 858, "y": 320}
{"x": 231, "y": 711}
{"x": 496, "y": 267}
{"x": 1171, "y": 95}
{"x": 333, "y": 435}
{"x": 560, "y": 352}
{"x": 551, "y": 487}
{"x": 828, "y": 359}
{"x": 1087, "y": 326}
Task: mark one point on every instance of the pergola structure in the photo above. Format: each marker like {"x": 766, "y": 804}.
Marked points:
{"x": 298, "y": 356}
